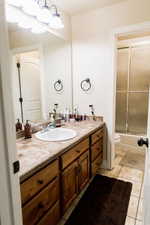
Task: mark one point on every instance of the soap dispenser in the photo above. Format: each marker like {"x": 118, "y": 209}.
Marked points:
{"x": 27, "y": 130}
{"x": 18, "y": 126}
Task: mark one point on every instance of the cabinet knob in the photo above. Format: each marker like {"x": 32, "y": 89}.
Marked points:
{"x": 77, "y": 151}
{"x": 40, "y": 181}
{"x": 40, "y": 205}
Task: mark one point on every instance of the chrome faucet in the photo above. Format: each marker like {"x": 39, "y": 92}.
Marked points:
{"x": 93, "y": 112}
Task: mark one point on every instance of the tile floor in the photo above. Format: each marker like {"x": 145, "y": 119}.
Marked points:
{"x": 127, "y": 171}
{"x": 135, "y": 176}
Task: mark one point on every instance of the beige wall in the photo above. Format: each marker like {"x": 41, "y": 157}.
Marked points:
{"x": 57, "y": 65}
{"x": 93, "y": 54}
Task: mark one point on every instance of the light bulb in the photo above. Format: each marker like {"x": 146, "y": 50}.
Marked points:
{"x": 56, "y": 22}
{"x": 44, "y": 15}
{"x": 16, "y": 3}
{"x": 25, "y": 22}
{"x": 30, "y": 7}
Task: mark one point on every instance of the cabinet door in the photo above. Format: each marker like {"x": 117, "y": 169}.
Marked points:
{"x": 83, "y": 170}
{"x": 96, "y": 164}
{"x": 52, "y": 217}
{"x": 41, "y": 203}
{"x": 69, "y": 185}
{"x": 97, "y": 149}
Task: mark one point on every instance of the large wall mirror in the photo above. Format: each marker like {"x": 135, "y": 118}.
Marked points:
{"x": 41, "y": 74}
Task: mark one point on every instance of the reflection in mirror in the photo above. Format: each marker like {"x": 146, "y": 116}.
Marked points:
{"x": 27, "y": 86}
{"x": 38, "y": 61}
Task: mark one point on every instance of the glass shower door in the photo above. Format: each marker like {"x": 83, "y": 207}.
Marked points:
{"x": 133, "y": 80}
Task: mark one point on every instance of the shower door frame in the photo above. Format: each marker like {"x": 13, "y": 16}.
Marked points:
{"x": 127, "y": 96}
{"x": 130, "y": 58}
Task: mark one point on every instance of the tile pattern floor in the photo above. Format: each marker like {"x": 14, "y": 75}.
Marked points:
{"x": 126, "y": 173}
{"x": 133, "y": 175}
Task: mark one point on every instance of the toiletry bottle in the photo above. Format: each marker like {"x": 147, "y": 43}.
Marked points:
{"x": 67, "y": 115}
{"x": 27, "y": 130}
{"x": 18, "y": 126}
{"x": 85, "y": 117}
{"x": 52, "y": 121}
{"x": 75, "y": 114}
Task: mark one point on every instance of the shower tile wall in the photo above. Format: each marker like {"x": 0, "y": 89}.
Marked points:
{"x": 133, "y": 80}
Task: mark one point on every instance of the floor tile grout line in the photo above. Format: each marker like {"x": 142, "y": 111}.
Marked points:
{"x": 129, "y": 179}
{"x": 139, "y": 200}
{"x": 139, "y": 196}
{"x": 119, "y": 172}
{"x": 135, "y": 222}
{"x": 132, "y": 219}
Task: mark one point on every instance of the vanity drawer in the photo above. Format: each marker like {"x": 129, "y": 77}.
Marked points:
{"x": 41, "y": 203}
{"x": 35, "y": 183}
{"x": 52, "y": 217}
{"x": 96, "y": 149}
{"x": 97, "y": 135}
{"x": 74, "y": 153}
{"x": 96, "y": 164}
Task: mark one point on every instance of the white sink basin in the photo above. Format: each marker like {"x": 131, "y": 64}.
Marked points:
{"x": 56, "y": 134}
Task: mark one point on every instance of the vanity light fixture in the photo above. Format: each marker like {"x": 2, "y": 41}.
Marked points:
{"x": 55, "y": 21}
{"x": 35, "y": 15}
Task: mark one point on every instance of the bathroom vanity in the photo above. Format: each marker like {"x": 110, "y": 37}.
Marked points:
{"x": 51, "y": 184}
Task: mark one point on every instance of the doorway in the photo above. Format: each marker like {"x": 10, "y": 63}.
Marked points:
{"x": 132, "y": 92}
{"x": 132, "y": 110}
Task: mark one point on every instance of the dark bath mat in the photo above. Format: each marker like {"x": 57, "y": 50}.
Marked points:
{"x": 105, "y": 202}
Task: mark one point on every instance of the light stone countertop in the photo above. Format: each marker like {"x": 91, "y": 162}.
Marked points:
{"x": 33, "y": 153}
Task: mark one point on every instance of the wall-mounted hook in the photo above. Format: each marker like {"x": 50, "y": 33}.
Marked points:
{"x": 86, "y": 85}
{"x": 58, "y": 85}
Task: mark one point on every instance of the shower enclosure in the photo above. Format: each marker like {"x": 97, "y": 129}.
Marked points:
{"x": 132, "y": 94}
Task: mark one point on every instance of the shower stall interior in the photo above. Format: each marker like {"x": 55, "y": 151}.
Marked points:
{"x": 132, "y": 94}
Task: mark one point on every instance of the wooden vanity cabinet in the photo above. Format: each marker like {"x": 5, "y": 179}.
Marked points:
{"x": 96, "y": 165}
{"x": 75, "y": 175}
{"x": 71, "y": 155}
{"x": 52, "y": 217}
{"x": 69, "y": 185}
{"x": 97, "y": 143}
{"x": 41, "y": 203}
{"x": 48, "y": 193}
{"x": 41, "y": 196}
{"x": 31, "y": 186}
{"x": 84, "y": 169}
